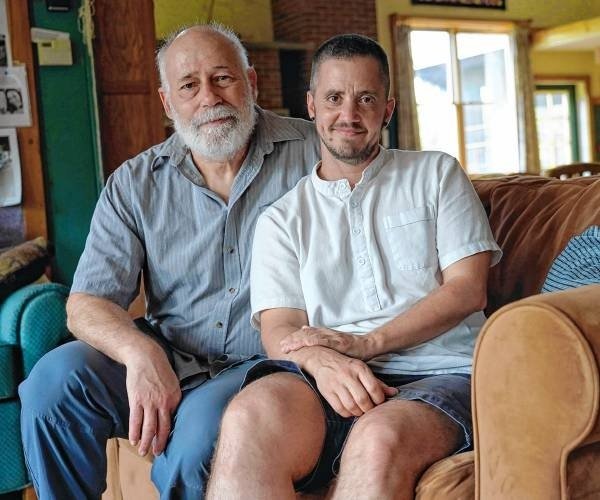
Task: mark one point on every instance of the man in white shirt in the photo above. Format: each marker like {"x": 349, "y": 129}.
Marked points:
{"x": 368, "y": 284}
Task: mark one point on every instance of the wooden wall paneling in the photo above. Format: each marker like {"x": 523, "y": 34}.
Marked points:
{"x": 34, "y": 205}
{"x": 126, "y": 129}
{"x": 131, "y": 116}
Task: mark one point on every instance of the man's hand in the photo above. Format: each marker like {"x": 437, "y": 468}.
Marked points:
{"x": 355, "y": 346}
{"x": 154, "y": 393}
{"x": 152, "y": 386}
{"x": 347, "y": 384}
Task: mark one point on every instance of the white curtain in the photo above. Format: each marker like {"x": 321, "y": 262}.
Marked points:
{"x": 528, "y": 143}
{"x": 406, "y": 104}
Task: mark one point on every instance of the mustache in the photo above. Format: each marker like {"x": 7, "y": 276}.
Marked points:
{"x": 218, "y": 112}
{"x": 354, "y": 126}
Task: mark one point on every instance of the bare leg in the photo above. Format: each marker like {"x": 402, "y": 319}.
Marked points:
{"x": 272, "y": 435}
{"x": 389, "y": 448}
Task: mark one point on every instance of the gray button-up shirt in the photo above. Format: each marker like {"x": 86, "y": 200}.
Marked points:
{"x": 157, "y": 215}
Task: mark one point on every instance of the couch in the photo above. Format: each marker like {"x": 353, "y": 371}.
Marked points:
{"x": 32, "y": 322}
{"x": 535, "y": 377}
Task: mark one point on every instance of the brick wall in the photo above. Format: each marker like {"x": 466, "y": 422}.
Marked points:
{"x": 314, "y": 21}
{"x": 317, "y": 20}
{"x": 266, "y": 64}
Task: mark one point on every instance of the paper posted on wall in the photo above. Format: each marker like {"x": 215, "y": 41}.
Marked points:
{"x": 5, "y": 54}
{"x": 15, "y": 108}
{"x": 10, "y": 168}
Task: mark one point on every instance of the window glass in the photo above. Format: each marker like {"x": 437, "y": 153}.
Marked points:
{"x": 464, "y": 86}
{"x": 555, "y": 122}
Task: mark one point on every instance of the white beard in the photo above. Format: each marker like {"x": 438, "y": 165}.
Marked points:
{"x": 218, "y": 142}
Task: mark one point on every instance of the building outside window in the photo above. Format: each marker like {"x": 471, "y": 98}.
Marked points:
{"x": 465, "y": 94}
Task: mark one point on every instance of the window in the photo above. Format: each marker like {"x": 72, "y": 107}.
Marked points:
{"x": 465, "y": 92}
{"x": 556, "y": 120}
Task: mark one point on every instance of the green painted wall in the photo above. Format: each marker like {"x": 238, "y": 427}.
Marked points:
{"x": 69, "y": 144}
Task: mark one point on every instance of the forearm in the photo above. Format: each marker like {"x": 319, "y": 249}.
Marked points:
{"x": 435, "y": 314}
{"x": 278, "y": 324}
{"x": 108, "y": 328}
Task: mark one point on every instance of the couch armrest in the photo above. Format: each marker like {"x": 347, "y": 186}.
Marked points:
{"x": 535, "y": 393}
{"x": 34, "y": 319}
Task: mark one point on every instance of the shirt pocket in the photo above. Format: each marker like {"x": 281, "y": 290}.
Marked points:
{"x": 411, "y": 236}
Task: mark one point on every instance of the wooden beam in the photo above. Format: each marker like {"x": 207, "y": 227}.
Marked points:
{"x": 445, "y": 23}
{"x": 34, "y": 205}
{"x": 581, "y": 35}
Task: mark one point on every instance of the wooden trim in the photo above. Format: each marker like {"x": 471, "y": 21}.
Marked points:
{"x": 34, "y": 202}
{"x": 460, "y": 24}
{"x": 114, "y": 87}
{"x": 158, "y": 131}
{"x": 29, "y": 493}
{"x": 393, "y": 23}
{"x": 564, "y": 78}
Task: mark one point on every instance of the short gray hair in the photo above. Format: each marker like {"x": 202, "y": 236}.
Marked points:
{"x": 215, "y": 28}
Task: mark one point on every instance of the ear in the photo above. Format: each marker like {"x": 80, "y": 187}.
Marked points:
{"x": 389, "y": 109}
{"x": 253, "y": 79}
{"x": 164, "y": 98}
{"x": 310, "y": 105}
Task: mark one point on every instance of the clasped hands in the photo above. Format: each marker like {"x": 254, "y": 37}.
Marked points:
{"x": 342, "y": 376}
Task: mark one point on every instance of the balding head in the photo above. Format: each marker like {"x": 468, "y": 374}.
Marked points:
{"x": 212, "y": 30}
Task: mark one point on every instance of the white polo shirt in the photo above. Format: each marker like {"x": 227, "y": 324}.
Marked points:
{"x": 353, "y": 259}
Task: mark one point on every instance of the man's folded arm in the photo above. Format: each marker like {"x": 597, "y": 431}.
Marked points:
{"x": 463, "y": 291}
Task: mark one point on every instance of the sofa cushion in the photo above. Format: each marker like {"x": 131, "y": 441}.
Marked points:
{"x": 8, "y": 371}
{"x": 532, "y": 219}
{"x": 578, "y": 264}
{"x": 13, "y": 473}
{"x": 22, "y": 265}
{"x": 452, "y": 478}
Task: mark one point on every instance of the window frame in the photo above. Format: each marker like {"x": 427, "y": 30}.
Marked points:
{"x": 573, "y": 115}
{"x": 454, "y": 28}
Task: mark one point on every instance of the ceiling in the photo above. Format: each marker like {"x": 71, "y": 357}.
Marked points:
{"x": 581, "y": 35}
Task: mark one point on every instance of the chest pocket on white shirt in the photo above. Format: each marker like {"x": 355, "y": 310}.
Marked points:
{"x": 411, "y": 234}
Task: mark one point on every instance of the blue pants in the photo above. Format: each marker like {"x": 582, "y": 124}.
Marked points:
{"x": 75, "y": 399}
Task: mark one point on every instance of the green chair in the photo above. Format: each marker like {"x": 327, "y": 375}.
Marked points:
{"x": 32, "y": 322}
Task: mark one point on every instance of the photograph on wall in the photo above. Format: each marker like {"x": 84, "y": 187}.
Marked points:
{"x": 486, "y": 4}
{"x": 14, "y": 98}
{"x": 10, "y": 168}
{"x": 5, "y": 55}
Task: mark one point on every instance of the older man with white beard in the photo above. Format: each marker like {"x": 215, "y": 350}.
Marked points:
{"x": 183, "y": 212}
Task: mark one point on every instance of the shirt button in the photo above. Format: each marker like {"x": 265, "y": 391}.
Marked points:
{"x": 232, "y": 290}
{"x": 354, "y": 204}
{"x": 230, "y": 249}
{"x": 356, "y": 230}
{"x": 362, "y": 261}
{"x": 218, "y": 324}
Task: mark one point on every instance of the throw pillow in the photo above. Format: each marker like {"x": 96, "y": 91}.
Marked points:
{"x": 22, "y": 265}
{"x": 578, "y": 264}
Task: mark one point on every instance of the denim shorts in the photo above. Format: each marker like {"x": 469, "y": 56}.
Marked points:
{"x": 449, "y": 393}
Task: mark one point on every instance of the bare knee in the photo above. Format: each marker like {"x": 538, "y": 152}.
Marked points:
{"x": 277, "y": 419}
{"x": 403, "y": 436}
{"x": 265, "y": 406}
